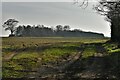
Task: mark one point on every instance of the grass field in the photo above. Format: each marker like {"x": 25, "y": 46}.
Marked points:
{"x": 38, "y": 57}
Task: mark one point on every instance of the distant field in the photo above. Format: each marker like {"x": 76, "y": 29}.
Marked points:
{"x": 25, "y": 57}
{"x": 42, "y": 40}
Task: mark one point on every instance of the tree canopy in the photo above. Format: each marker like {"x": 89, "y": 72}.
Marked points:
{"x": 10, "y": 25}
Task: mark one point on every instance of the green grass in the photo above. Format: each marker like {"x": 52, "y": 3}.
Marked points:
{"x": 31, "y": 41}
{"x": 40, "y": 50}
{"x": 26, "y": 55}
{"x": 9, "y": 68}
{"x": 55, "y": 53}
{"x": 111, "y": 47}
{"x": 89, "y": 51}
{"x": 15, "y": 68}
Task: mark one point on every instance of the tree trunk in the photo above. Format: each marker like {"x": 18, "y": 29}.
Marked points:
{"x": 112, "y": 32}
{"x": 115, "y": 30}
{"x": 11, "y": 32}
{"x": 11, "y": 35}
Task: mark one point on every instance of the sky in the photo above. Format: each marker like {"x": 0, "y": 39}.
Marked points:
{"x": 55, "y": 13}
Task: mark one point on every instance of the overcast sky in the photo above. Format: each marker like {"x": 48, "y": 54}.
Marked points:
{"x": 54, "y": 13}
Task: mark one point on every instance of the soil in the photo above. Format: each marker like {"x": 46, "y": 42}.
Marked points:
{"x": 75, "y": 67}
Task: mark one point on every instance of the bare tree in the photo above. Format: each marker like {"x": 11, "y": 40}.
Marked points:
{"x": 111, "y": 9}
{"x": 81, "y": 3}
{"x": 10, "y": 25}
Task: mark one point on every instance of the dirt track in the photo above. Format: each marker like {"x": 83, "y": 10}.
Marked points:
{"x": 76, "y": 68}
{"x": 96, "y": 67}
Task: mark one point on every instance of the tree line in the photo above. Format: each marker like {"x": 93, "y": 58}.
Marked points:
{"x": 43, "y": 31}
